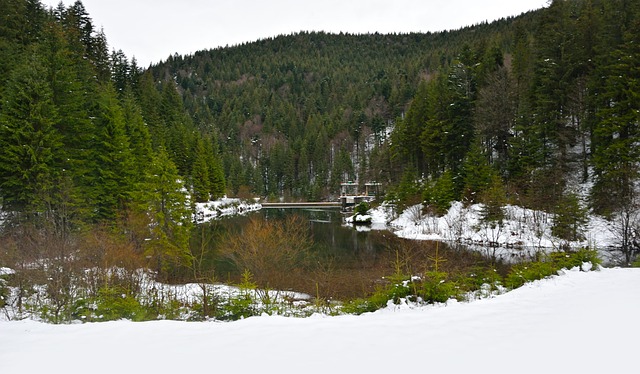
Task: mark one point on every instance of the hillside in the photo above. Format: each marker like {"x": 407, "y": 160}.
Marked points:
{"x": 295, "y": 115}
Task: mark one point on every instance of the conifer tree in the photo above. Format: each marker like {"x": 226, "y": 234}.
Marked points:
{"x": 478, "y": 174}
{"x": 137, "y": 132}
{"x": 440, "y": 193}
{"x": 113, "y": 161}
{"x": 72, "y": 80}
{"x": 617, "y": 132}
{"x": 570, "y": 218}
{"x": 171, "y": 217}
{"x": 217, "y": 183}
{"x": 29, "y": 141}
{"x": 200, "y": 173}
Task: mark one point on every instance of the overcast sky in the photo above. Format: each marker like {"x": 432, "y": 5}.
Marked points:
{"x": 151, "y": 30}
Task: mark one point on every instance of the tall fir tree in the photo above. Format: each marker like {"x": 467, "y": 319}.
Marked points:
{"x": 171, "y": 217}
{"x": 200, "y": 180}
{"x": 30, "y": 144}
{"x": 113, "y": 161}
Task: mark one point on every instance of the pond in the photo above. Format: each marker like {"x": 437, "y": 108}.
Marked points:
{"x": 343, "y": 262}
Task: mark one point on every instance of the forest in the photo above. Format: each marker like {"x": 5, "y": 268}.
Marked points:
{"x": 522, "y": 110}
{"x": 540, "y": 110}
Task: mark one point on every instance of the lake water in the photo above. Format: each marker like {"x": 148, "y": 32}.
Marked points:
{"x": 345, "y": 262}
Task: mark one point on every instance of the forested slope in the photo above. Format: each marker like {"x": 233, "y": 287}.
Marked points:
{"x": 524, "y": 108}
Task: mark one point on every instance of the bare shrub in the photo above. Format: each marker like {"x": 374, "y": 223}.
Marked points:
{"x": 273, "y": 251}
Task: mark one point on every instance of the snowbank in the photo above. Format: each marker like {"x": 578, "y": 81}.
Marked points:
{"x": 522, "y": 232}
{"x": 223, "y": 207}
{"x": 575, "y": 323}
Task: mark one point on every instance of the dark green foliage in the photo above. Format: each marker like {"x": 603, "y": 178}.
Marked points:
{"x": 441, "y": 193}
{"x": 114, "y": 303}
{"x": 493, "y": 199}
{"x": 200, "y": 174}
{"x": 549, "y": 265}
{"x": 168, "y": 209}
{"x": 478, "y": 174}
{"x": 570, "y": 218}
{"x": 361, "y": 209}
{"x": 433, "y": 287}
{"x": 295, "y": 115}
{"x": 617, "y": 131}
{"x": 113, "y": 164}
{"x": 30, "y": 144}
{"x": 4, "y": 290}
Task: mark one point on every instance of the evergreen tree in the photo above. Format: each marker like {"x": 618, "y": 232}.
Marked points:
{"x": 29, "y": 141}
{"x": 478, "y": 174}
{"x": 217, "y": 181}
{"x": 137, "y": 132}
{"x": 493, "y": 200}
{"x": 617, "y": 132}
{"x": 200, "y": 173}
{"x": 570, "y": 218}
{"x": 74, "y": 87}
{"x": 439, "y": 194}
{"x": 171, "y": 217}
{"x": 113, "y": 175}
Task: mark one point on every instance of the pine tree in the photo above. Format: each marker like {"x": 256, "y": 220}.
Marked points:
{"x": 570, "y": 218}
{"x": 478, "y": 174}
{"x": 29, "y": 140}
{"x": 217, "y": 182}
{"x": 74, "y": 86}
{"x": 200, "y": 173}
{"x": 113, "y": 175}
{"x": 137, "y": 132}
{"x": 439, "y": 194}
{"x": 617, "y": 132}
{"x": 171, "y": 217}
{"x": 494, "y": 198}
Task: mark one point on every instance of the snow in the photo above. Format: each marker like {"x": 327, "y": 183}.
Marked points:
{"x": 579, "y": 322}
{"x": 522, "y": 233}
{"x": 224, "y": 207}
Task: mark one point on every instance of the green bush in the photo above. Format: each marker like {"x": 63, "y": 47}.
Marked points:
{"x": 528, "y": 272}
{"x": 114, "y": 303}
{"x": 361, "y": 209}
{"x": 242, "y": 305}
{"x": 478, "y": 277}
{"x": 396, "y": 290}
{"x": 549, "y": 265}
{"x": 238, "y": 307}
{"x": 437, "y": 288}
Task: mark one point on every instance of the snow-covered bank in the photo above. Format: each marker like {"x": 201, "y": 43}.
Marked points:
{"x": 575, "y": 323}
{"x": 523, "y": 231}
{"x": 223, "y": 207}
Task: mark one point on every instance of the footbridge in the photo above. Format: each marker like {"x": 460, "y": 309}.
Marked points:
{"x": 303, "y": 205}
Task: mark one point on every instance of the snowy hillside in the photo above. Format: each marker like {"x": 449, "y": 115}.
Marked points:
{"x": 522, "y": 233}
{"x": 575, "y": 323}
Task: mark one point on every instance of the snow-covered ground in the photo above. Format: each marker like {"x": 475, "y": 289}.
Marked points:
{"x": 575, "y": 323}
{"x": 223, "y": 207}
{"x": 522, "y": 232}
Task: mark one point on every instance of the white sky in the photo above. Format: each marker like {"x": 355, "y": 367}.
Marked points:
{"x": 151, "y": 30}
